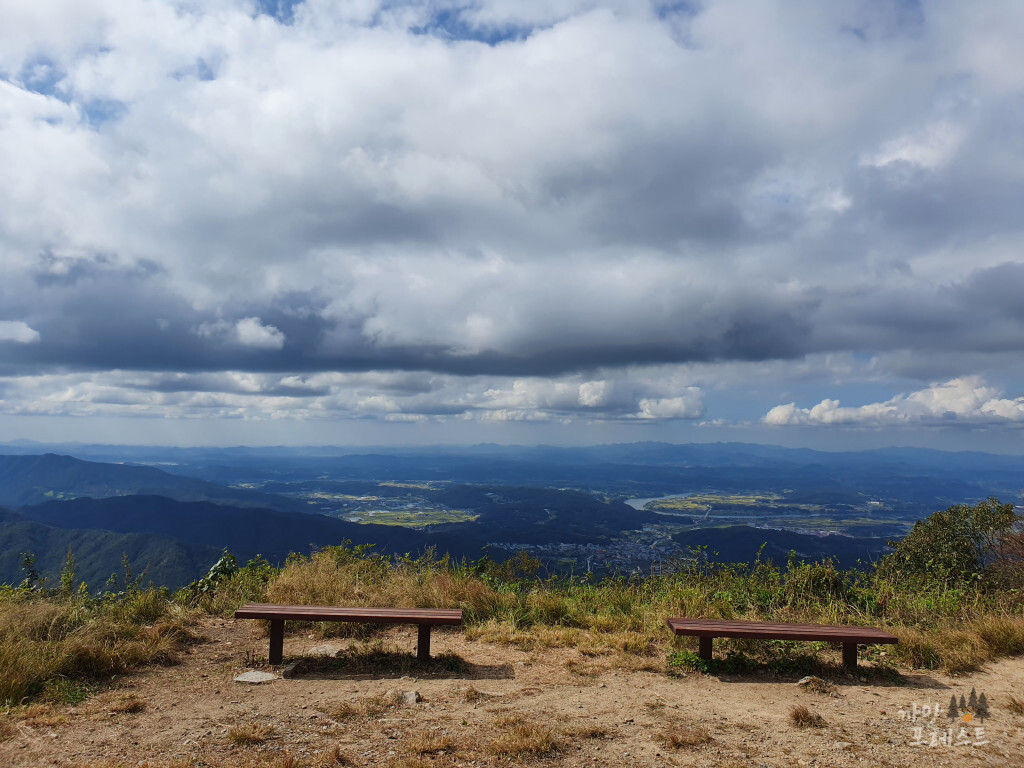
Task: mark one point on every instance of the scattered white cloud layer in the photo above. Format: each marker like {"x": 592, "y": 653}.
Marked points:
{"x": 562, "y": 211}
{"x": 412, "y": 396}
{"x": 967, "y": 400}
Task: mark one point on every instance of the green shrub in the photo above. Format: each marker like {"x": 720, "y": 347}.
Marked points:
{"x": 952, "y": 547}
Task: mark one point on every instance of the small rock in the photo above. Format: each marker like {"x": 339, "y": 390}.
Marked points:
{"x": 843, "y": 744}
{"x": 289, "y": 670}
{"x": 255, "y": 678}
{"x": 411, "y": 697}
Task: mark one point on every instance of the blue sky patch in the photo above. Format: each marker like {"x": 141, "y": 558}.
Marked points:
{"x": 450, "y": 25}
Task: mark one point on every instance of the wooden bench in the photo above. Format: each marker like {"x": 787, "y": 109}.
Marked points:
{"x": 424, "y": 618}
{"x": 708, "y": 629}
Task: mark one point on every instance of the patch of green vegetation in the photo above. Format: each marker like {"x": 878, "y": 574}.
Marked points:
{"x": 411, "y": 518}
{"x": 60, "y": 690}
{"x": 704, "y": 501}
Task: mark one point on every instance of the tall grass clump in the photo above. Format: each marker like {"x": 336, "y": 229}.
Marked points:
{"x": 56, "y": 644}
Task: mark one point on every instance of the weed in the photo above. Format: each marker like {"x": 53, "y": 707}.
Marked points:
{"x": 521, "y": 738}
{"x": 802, "y": 717}
{"x": 128, "y": 704}
{"x": 584, "y": 731}
{"x": 365, "y": 708}
{"x": 471, "y": 695}
{"x": 429, "y": 742}
{"x": 250, "y": 734}
{"x": 332, "y": 757}
{"x": 684, "y": 735}
{"x": 63, "y": 691}
{"x": 817, "y": 685}
{"x": 681, "y": 662}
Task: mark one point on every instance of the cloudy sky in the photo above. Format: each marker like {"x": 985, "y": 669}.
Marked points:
{"x": 239, "y": 221}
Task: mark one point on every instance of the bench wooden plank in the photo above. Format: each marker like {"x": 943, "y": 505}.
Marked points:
{"x": 360, "y": 614}
{"x": 849, "y": 636}
{"x": 424, "y": 618}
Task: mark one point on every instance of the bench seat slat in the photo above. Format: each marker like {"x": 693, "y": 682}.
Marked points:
{"x": 333, "y": 613}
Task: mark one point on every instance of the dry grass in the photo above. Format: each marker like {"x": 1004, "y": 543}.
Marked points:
{"x": 336, "y": 577}
{"x": 330, "y": 758}
{"x": 1015, "y": 705}
{"x": 410, "y": 762}
{"x": 127, "y": 704}
{"x": 684, "y": 735}
{"x": 802, "y": 717}
{"x": 39, "y": 715}
{"x": 7, "y": 728}
{"x": 430, "y": 742}
{"x": 471, "y": 695}
{"x": 173, "y": 763}
{"x": 522, "y": 738}
{"x": 58, "y": 646}
{"x": 365, "y": 708}
{"x": 962, "y": 646}
{"x": 250, "y": 734}
{"x": 584, "y": 731}
{"x": 817, "y": 685}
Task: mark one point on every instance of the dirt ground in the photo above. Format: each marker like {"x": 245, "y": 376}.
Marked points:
{"x": 550, "y": 707}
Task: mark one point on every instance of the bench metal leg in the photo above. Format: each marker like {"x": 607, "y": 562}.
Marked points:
{"x": 423, "y": 642}
{"x": 276, "y": 641}
{"x": 705, "y": 648}
{"x": 850, "y": 656}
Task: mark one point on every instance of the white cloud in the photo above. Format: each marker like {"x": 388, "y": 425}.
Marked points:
{"x": 18, "y": 332}
{"x": 966, "y": 400}
{"x": 930, "y": 147}
{"x": 253, "y": 333}
{"x": 686, "y": 406}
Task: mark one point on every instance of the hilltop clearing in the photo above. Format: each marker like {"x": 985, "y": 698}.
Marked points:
{"x": 500, "y": 704}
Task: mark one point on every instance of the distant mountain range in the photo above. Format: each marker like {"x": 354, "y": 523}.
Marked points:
{"x": 101, "y": 511}
{"x": 178, "y": 522}
{"x": 31, "y": 479}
